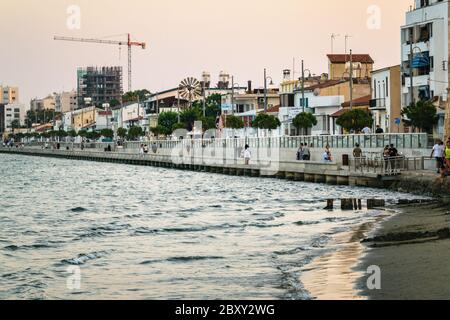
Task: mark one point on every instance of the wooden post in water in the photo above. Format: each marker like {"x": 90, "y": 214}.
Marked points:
{"x": 330, "y": 204}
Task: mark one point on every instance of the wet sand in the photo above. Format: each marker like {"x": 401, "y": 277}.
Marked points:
{"x": 412, "y": 250}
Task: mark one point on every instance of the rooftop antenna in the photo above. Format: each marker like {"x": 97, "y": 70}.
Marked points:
{"x": 333, "y": 37}
{"x": 347, "y": 37}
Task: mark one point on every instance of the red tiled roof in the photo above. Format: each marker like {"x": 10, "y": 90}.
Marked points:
{"x": 343, "y": 58}
{"x": 274, "y": 109}
{"x": 360, "y": 102}
{"x": 325, "y": 84}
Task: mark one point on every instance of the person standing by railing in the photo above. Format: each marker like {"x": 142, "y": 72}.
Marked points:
{"x": 306, "y": 153}
{"x": 246, "y": 154}
{"x": 300, "y": 153}
{"x": 357, "y": 155}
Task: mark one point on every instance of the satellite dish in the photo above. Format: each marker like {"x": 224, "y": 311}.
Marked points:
{"x": 316, "y": 92}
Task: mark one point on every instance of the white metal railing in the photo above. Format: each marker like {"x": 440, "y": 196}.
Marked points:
{"x": 386, "y": 165}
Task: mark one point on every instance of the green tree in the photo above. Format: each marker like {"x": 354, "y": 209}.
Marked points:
{"x": 189, "y": 116}
{"x": 158, "y": 130}
{"x": 122, "y": 132}
{"x": 15, "y": 124}
{"x": 135, "y": 132}
{"x": 421, "y": 115}
{"x": 167, "y": 121}
{"x": 265, "y": 121}
{"x": 114, "y": 103}
{"x": 107, "y": 133}
{"x": 355, "y": 120}
{"x": 304, "y": 120}
{"x": 62, "y": 134}
{"x": 72, "y": 133}
{"x": 208, "y": 123}
{"x": 134, "y": 96}
{"x": 82, "y": 133}
{"x": 212, "y": 105}
{"x": 234, "y": 122}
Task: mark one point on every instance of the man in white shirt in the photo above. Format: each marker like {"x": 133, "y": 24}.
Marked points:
{"x": 366, "y": 130}
{"x": 438, "y": 154}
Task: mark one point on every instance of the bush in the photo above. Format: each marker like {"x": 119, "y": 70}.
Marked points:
{"x": 421, "y": 115}
{"x": 234, "y": 122}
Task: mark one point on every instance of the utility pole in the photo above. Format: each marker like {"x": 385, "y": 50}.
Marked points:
{"x": 178, "y": 98}
{"x": 232, "y": 94}
{"x": 303, "y": 87}
{"x": 204, "y": 98}
{"x": 351, "y": 79}
{"x": 346, "y": 42}
{"x": 265, "y": 90}
{"x": 411, "y": 76}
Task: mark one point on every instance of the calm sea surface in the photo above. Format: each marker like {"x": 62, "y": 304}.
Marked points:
{"x": 151, "y": 233}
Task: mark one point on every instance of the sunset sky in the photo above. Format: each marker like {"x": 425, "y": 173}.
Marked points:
{"x": 186, "y": 37}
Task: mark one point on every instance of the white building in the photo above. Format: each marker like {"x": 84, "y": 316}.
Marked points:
{"x": 426, "y": 33}
{"x": 15, "y": 111}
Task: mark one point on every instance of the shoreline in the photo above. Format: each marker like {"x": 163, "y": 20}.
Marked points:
{"x": 409, "y": 246}
{"x": 334, "y": 275}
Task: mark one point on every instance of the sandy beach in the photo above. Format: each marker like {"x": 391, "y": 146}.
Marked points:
{"x": 411, "y": 248}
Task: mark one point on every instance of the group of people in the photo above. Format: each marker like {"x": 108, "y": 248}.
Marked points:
{"x": 303, "y": 153}
{"x": 441, "y": 152}
{"x": 390, "y": 152}
{"x": 8, "y": 143}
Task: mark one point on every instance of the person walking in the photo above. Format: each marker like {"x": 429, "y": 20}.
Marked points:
{"x": 438, "y": 153}
{"x": 141, "y": 151}
{"x": 246, "y": 154}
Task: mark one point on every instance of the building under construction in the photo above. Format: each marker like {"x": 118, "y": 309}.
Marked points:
{"x": 99, "y": 85}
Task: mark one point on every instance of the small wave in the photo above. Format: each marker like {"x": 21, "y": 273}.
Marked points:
{"x": 306, "y": 223}
{"x": 181, "y": 259}
{"x": 84, "y": 258}
{"x": 291, "y": 252}
{"x": 28, "y": 247}
{"x": 78, "y": 209}
{"x": 193, "y": 258}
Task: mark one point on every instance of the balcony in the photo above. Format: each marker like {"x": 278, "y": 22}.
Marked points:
{"x": 378, "y": 104}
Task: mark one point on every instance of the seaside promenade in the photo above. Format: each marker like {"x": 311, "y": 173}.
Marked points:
{"x": 271, "y": 157}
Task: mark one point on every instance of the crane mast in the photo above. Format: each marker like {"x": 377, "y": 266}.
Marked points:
{"x": 127, "y": 43}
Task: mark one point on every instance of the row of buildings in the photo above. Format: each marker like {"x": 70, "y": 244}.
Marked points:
{"x": 422, "y": 74}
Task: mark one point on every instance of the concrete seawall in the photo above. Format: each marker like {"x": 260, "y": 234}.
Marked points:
{"x": 310, "y": 171}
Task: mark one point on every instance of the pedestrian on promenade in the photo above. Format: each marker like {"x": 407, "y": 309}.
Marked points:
{"x": 357, "y": 154}
{"x": 300, "y": 152}
{"x": 445, "y": 172}
{"x": 306, "y": 153}
{"x": 246, "y": 154}
{"x": 379, "y": 130}
{"x": 146, "y": 149}
{"x": 141, "y": 151}
{"x": 438, "y": 154}
{"x": 366, "y": 130}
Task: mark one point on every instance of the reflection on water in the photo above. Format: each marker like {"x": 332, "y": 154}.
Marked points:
{"x": 149, "y": 233}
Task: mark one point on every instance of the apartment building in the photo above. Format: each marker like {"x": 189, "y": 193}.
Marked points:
{"x": 66, "y": 101}
{"x": 425, "y": 56}
{"x": 385, "y": 103}
{"x": 47, "y": 103}
{"x": 9, "y": 94}
{"x": 99, "y": 85}
{"x": 12, "y": 112}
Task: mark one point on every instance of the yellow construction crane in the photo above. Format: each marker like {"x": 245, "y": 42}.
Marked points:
{"x": 127, "y": 43}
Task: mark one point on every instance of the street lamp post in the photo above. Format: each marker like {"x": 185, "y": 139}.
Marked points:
{"x": 351, "y": 79}
{"x": 303, "y": 85}
{"x": 265, "y": 89}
